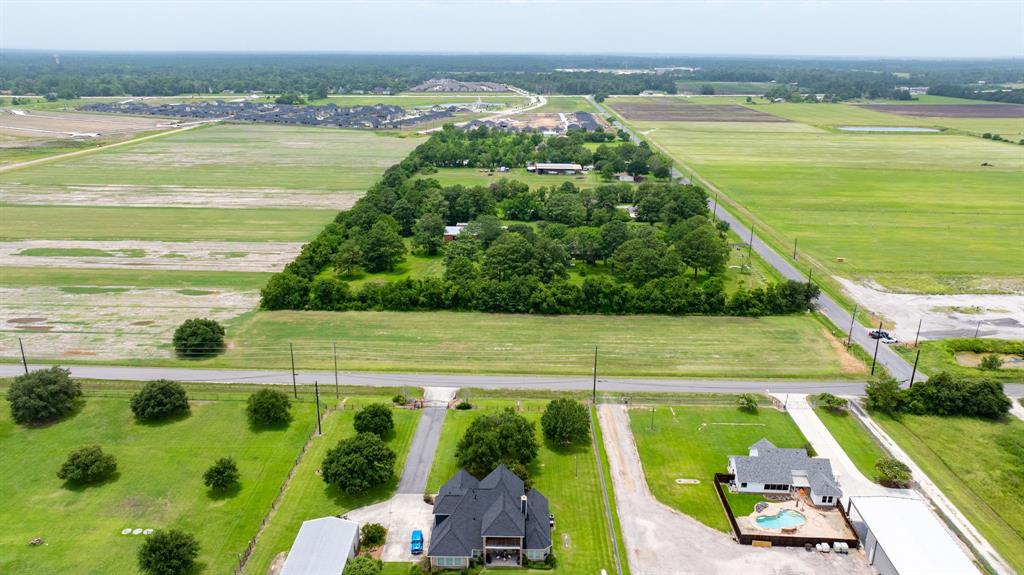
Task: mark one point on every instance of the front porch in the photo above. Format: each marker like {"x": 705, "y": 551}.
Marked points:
{"x": 502, "y": 557}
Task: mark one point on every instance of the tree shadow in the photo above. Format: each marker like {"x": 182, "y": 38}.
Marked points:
{"x": 222, "y": 494}
{"x": 80, "y": 486}
{"x": 575, "y": 448}
{"x": 356, "y": 500}
{"x": 165, "y": 420}
{"x": 261, "y": 428}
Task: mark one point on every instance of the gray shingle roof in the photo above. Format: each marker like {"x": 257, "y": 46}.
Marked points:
{"x": 467, "y": 510}
{"x": 777, "y": 466}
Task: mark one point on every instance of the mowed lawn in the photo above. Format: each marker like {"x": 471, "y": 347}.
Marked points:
{"x": 911, "y": 211}
{"x": 854, "y": 438}
{"x": 695, "y": 442}
{"x": 694, "y": 346}
{"x": 574, "y": 498}
{"x": 308, "y": 497}
{"x": 979, "y": 465}
{"x": 478, "y": 177}
{"x": 158, "y": 485}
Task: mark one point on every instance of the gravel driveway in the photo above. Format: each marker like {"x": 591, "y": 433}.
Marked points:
{"x": 660, "y": 540}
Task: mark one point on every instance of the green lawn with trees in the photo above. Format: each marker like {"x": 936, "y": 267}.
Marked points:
{"x": 941, "y": 355}
{"x": 695, "y": 442}
{"x": 158, "y": 483}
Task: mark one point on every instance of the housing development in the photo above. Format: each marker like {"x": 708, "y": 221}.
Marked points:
{"x": 398, "y": 291}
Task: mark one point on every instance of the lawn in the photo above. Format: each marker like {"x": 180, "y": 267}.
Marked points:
{"x": 695, "y": 442}
{"x": 72, "y": 278}
{"x": 867, "y": 206}
{"x": 308, "y": 497}
{"x": 940, "y": 355}
{"x": 476, "y": 177}
{"x": 690, "y": 346}
{"x": 855, "y": 440}
{"x": 567, "y": 476}
{"x": 158, "y": 485}
{"x": 978, "y": 465}
{"x": 565, "y": 104}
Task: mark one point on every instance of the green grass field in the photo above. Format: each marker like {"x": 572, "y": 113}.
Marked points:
{"x": 575, "y": 499}
{"x": 158, "y": 485}
{"x": 695, "y": 442}
{"x": 565, "y": 104}
{"x": 979, "y": 465}
{"x": 913, "y": 212}
{"x": 475, "y": 177}
{"x": 716, "y": 347}
{"x": 308, "y": 497}
{"x": 936, "y": 357}
{"x": 71, "y": 278}
{"x": 855, "y": 440}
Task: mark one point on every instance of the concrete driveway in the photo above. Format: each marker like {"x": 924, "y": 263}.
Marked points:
{"x": 660, "y": 540}
{"x": 401, "y": 514}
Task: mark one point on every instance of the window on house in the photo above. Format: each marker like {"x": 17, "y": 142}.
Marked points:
{"x": 744, "y": 484}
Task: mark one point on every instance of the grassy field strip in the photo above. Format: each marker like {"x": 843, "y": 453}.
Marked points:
{"x": 978, "y": 465}
{"x": 308, "y": 497}
{"x": 854, "y": 438}
{"x": 158, "y": 485}
{"x": 607, "y": 488}
{"x": 566, "y": 476}
{"x": 694, "y": 442}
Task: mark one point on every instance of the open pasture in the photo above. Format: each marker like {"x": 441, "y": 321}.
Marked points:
{"x": 953, "y": 110}
{"x": 477, "y": 177}
{"x": 676, "y": 110}
{"x": 53, "y": 124}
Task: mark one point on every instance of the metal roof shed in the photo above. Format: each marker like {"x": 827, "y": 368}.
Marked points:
{"x": 322, "y": 547}
{"x": 902, "y": 536}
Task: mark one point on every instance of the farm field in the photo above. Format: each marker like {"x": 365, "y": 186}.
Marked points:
{"x": 158, "y": 485}
{"x": 694, "y": 86}
{"x": 308, "y": 497}
{"x": 475, "y": 177}
{"x": 566, "y": 104}
{"x": 978, "y": 465}
{"x": 695, "y": 442}
{"x": 885, "y": 204}
{"x": 104, "y": 254}
{"x": 855, "y": 440}
{"x": 575, "y": 500}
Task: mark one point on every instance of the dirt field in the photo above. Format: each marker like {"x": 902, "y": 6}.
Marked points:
{"x": 951, "y": 110}
{"x": 170, "y": 195}
{"x": 676, "y": 111}
{"x": 109, "y": 322}
{"x": 216, "y": 256}
{"x": 49, "y": 125}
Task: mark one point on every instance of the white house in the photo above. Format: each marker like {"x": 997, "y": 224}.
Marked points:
{"x": 772, "y": 470}
{"x": 322, "y": 547}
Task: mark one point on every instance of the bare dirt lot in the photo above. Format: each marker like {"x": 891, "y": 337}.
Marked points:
{"x": 109, "y": 322}
{"x": 208, "y": 255}
{"x": 951, "y": 110}
{"x": 73, "y": 124}
{"x": 683, "y": 112}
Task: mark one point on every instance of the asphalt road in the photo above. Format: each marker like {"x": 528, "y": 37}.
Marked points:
{"x": 421, "y": 454}
{"x": 897, "y": 366}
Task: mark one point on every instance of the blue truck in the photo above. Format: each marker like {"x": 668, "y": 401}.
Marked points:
{"x": 416, "y": 546}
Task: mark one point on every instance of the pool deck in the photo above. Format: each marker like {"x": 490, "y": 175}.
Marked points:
{"x": 826, "y": 523}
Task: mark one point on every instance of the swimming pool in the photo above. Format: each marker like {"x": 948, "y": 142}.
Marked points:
{"x": 782, "y": 520}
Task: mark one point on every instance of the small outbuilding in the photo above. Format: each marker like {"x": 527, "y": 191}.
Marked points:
{"x": 322, "y": 547}
{"x": 555, "y": 168}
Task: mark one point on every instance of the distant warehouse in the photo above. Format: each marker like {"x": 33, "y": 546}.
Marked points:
{"x": 546, "y": 168}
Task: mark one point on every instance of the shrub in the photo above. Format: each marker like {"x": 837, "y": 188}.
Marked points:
{"x": 375, "y": 418}
{"x": 43, "y": 395}
{"x": 358, "y": 463}
{"x": 811, "y": 452}
{"x": 268, "y": 407}
{"x": 464, "y": 405}
{"x": 991, "y": 362}
{"x": 946, "y": 394}
{"x": 159, "y": 399}
{"x": 493, "y": 439}
{"x": 222, "y": 474}
{"x": 428, "y": 498}
{"x": 87, "y": 465}
{"x": 832, "y": 403}
{"x": 748, "y": 402}
{"x": 884, "y": 395}
{"x": 398, "y": 399}
{"x": 363, "y": 565}
{"x": 199, "y": 337}
{"x": 170, "y": 552}
{"x": 892, "y": 472}
{"x": 565, "y": 421}
{"x": 372, "y": 535}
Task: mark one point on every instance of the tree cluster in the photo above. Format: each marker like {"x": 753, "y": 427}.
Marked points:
{"x": 87, "y": 465}
{"x": 501, "y": 438}
{"x": 944, "y": 394}
{"x": 222, "y": 475}
{"x": 169, "y": 552}
{"x": 268, "y": 407}
{"x": 375, "y": 418}
{"x": 565, "y": 421}
{"x": 198, "y": 337}
{"x": 358, "y": 464}
{"x": 159, "y": 399}
{"x": 43, "y": 395}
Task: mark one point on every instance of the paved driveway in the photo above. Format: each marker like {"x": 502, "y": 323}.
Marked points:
{"x": 660, "y": 540}
{"x": 401, "y": 514}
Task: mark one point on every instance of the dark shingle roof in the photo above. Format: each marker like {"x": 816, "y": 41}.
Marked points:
{"x": 778, "y": 465}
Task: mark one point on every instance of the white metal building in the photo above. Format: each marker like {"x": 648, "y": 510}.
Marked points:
{"x": 322, "y": 547}
{"x": 902, "y": 536}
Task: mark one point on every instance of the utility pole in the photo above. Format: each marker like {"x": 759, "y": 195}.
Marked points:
{"x": 810, "y": 275}
{"x": 316, "y": 392}
{"x": 652, "y": 419}
{"x": 853, "y": 320}
{"x": 24, "y": 362}
{"x": 914, "y": 372}
{"x": 595, "y": 377}
{"x": 878, "y": 341}
{"x": 295, "y": 386}
{"x": 714, "y": 207}
{"x": 978, "y": 330}
{"x": 916, "y": 337}
{"x": 794, "y": 248}
{"x": 750, "y": 246}
{"x": 337, "y": 394}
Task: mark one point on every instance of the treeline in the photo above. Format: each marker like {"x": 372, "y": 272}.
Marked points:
{"x": 580, "y": 82}
{"x": 944, "y": 394}
{"x": 976, "y": 92}
{"x": 523, "y": 267}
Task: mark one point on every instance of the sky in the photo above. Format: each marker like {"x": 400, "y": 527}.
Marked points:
{"x": 887, "y": 29}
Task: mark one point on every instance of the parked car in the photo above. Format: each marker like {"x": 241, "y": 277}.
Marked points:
{"x": 878, "y": 334}
{"x": 416, "y": 546}
{"x": 890, "y": 339}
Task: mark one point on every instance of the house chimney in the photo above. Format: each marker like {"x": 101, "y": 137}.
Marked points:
{"x": 522, "y": 504}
